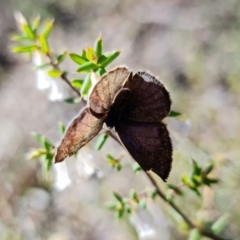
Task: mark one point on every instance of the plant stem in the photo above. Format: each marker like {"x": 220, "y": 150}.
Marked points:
{"x": 203, "y": 232}
{"x": 63, "y": 76}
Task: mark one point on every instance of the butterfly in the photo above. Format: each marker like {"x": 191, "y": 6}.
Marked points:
{"x": 134, "y": 105}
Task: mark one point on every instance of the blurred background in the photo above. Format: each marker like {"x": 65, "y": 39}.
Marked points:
{"x": 193, "y": 46}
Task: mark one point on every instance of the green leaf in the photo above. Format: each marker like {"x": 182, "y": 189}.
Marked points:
{"x": 195, "y": 190}
{"x": 87, "y": 84}
{"x": 48, "y": 161}
{"x": 185, "y": 179}
{"x": 38, "y": 137}
{"x": 55, "y": 73}
{"x": 112, "y": 206}
{"x": 220, "y": 224}
{"x": 84, "y": 55}
{"x": 127, "y": 208}
{"x": 43, "y": 141}
{"x": 42, "y": 66}
{"x": 142, "y": 203}
{"x": 28, "y": 31}
{"x": 133, "y": 195}
{"x": 90, "y": 54}
{"x": 24, "y": 49}
{"x": 44, "y": 44}
{"x": 110, "y": 157}
{"x": 118, "y": 166}
{"x": 196, "y": 179}
{"x": 136, "y": 167}
{"x": 73, "y": 100}
{"x": 101, "y": 141}
{"x": 77, "y": 83}
{"x": 35, "y": 23}
{"x": 61, "y": 57}
{"x": 119, "y": 213}
{"x": 110, "y": 58}
{"x": 208, "y": 169}
{"x": 19, "y": 37}
{"x": 87, "y": 67}
{"x": 61, "y": 127}
{"x": 197, "y": 170}
{"x": 101, "y": 71}
{"x": 77, "y": 58}
{"x": 169, "y": 196}
{"x": 194, "y": 234}
{"x": 47, "y": 28}
{"x": 176, "y": 189}
{"x": 153, "y": 194}
{"x": 209, "y": 181}
{"x": 118, "y": 197}
{"x": 46, "y": 143}
{"x": 174, "y": 114}
{"x": 98, "y": 47}
{"x": 101, "y": 59}
{"x": 36, "y": 153}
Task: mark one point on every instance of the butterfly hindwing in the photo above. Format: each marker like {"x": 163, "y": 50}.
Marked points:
{"x": 150, "y": 101}
{"x": 149, "y": 144}
{"x": 81, "y": 131}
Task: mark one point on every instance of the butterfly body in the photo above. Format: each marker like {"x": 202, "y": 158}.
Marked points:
{"x": 134, "y": 105}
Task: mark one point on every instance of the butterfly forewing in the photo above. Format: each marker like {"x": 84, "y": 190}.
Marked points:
{"x": 150, "y": 101}
{"x": 106, "y": 89}
{"x": 81, "y": 131}
{"x": 149, "y": 144}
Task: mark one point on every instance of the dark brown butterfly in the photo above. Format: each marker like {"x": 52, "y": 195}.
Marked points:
{"x": 134, "y": 106}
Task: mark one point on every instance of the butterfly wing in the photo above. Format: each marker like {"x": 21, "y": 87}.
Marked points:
{"x": 105, "y": 90}
{"x": 149, "y": 144}
{"x": 80, "y": 132}
{"x": 150, "y": 101}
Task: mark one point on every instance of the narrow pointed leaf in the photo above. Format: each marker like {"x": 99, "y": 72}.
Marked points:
{"x": 38, "y": 137}
{"x": 89, "y": 53}
{"x": 98, "y": 47}
{"x": 36, "y": 153}
{"x": 19, "y": 37}
{"x": 136, "y": 167}
{"x": 24, "y": 49}
{"x": 42, "y": 66}
{"x": 28, "y": 31}
{"x": 48, "y": 162}
{"x": 44, "y": 44}
{"x": 101, "y": 141}
{"x": 101, "y": 71}
{"x": 110, "y": 58}
{"x": 220, "y": 224}
{"x": 174, "y": 114}
{"x": 87, "y": 84}
{"x": 118, "y": 197}
{"x": 47, "y": 28}
{"x": 61, "y": 127}
{"x": 35, "y": 23}
{"x": 73, "y": 100}
{"x": 77, "y": 58}
{"x": 101, "y": 59}
{"x": 54, "y": 73}
{"x": 61, "y": 57}
{"x": 87, "y": 67}
{"x": 84, "y": 55}
{"x": 194, "y": 235}
{"x": 77, "y": 83}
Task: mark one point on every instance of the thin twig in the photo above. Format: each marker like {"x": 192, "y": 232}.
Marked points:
{"x": 63, "y": 76}
{"x": 204, "y": 232}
